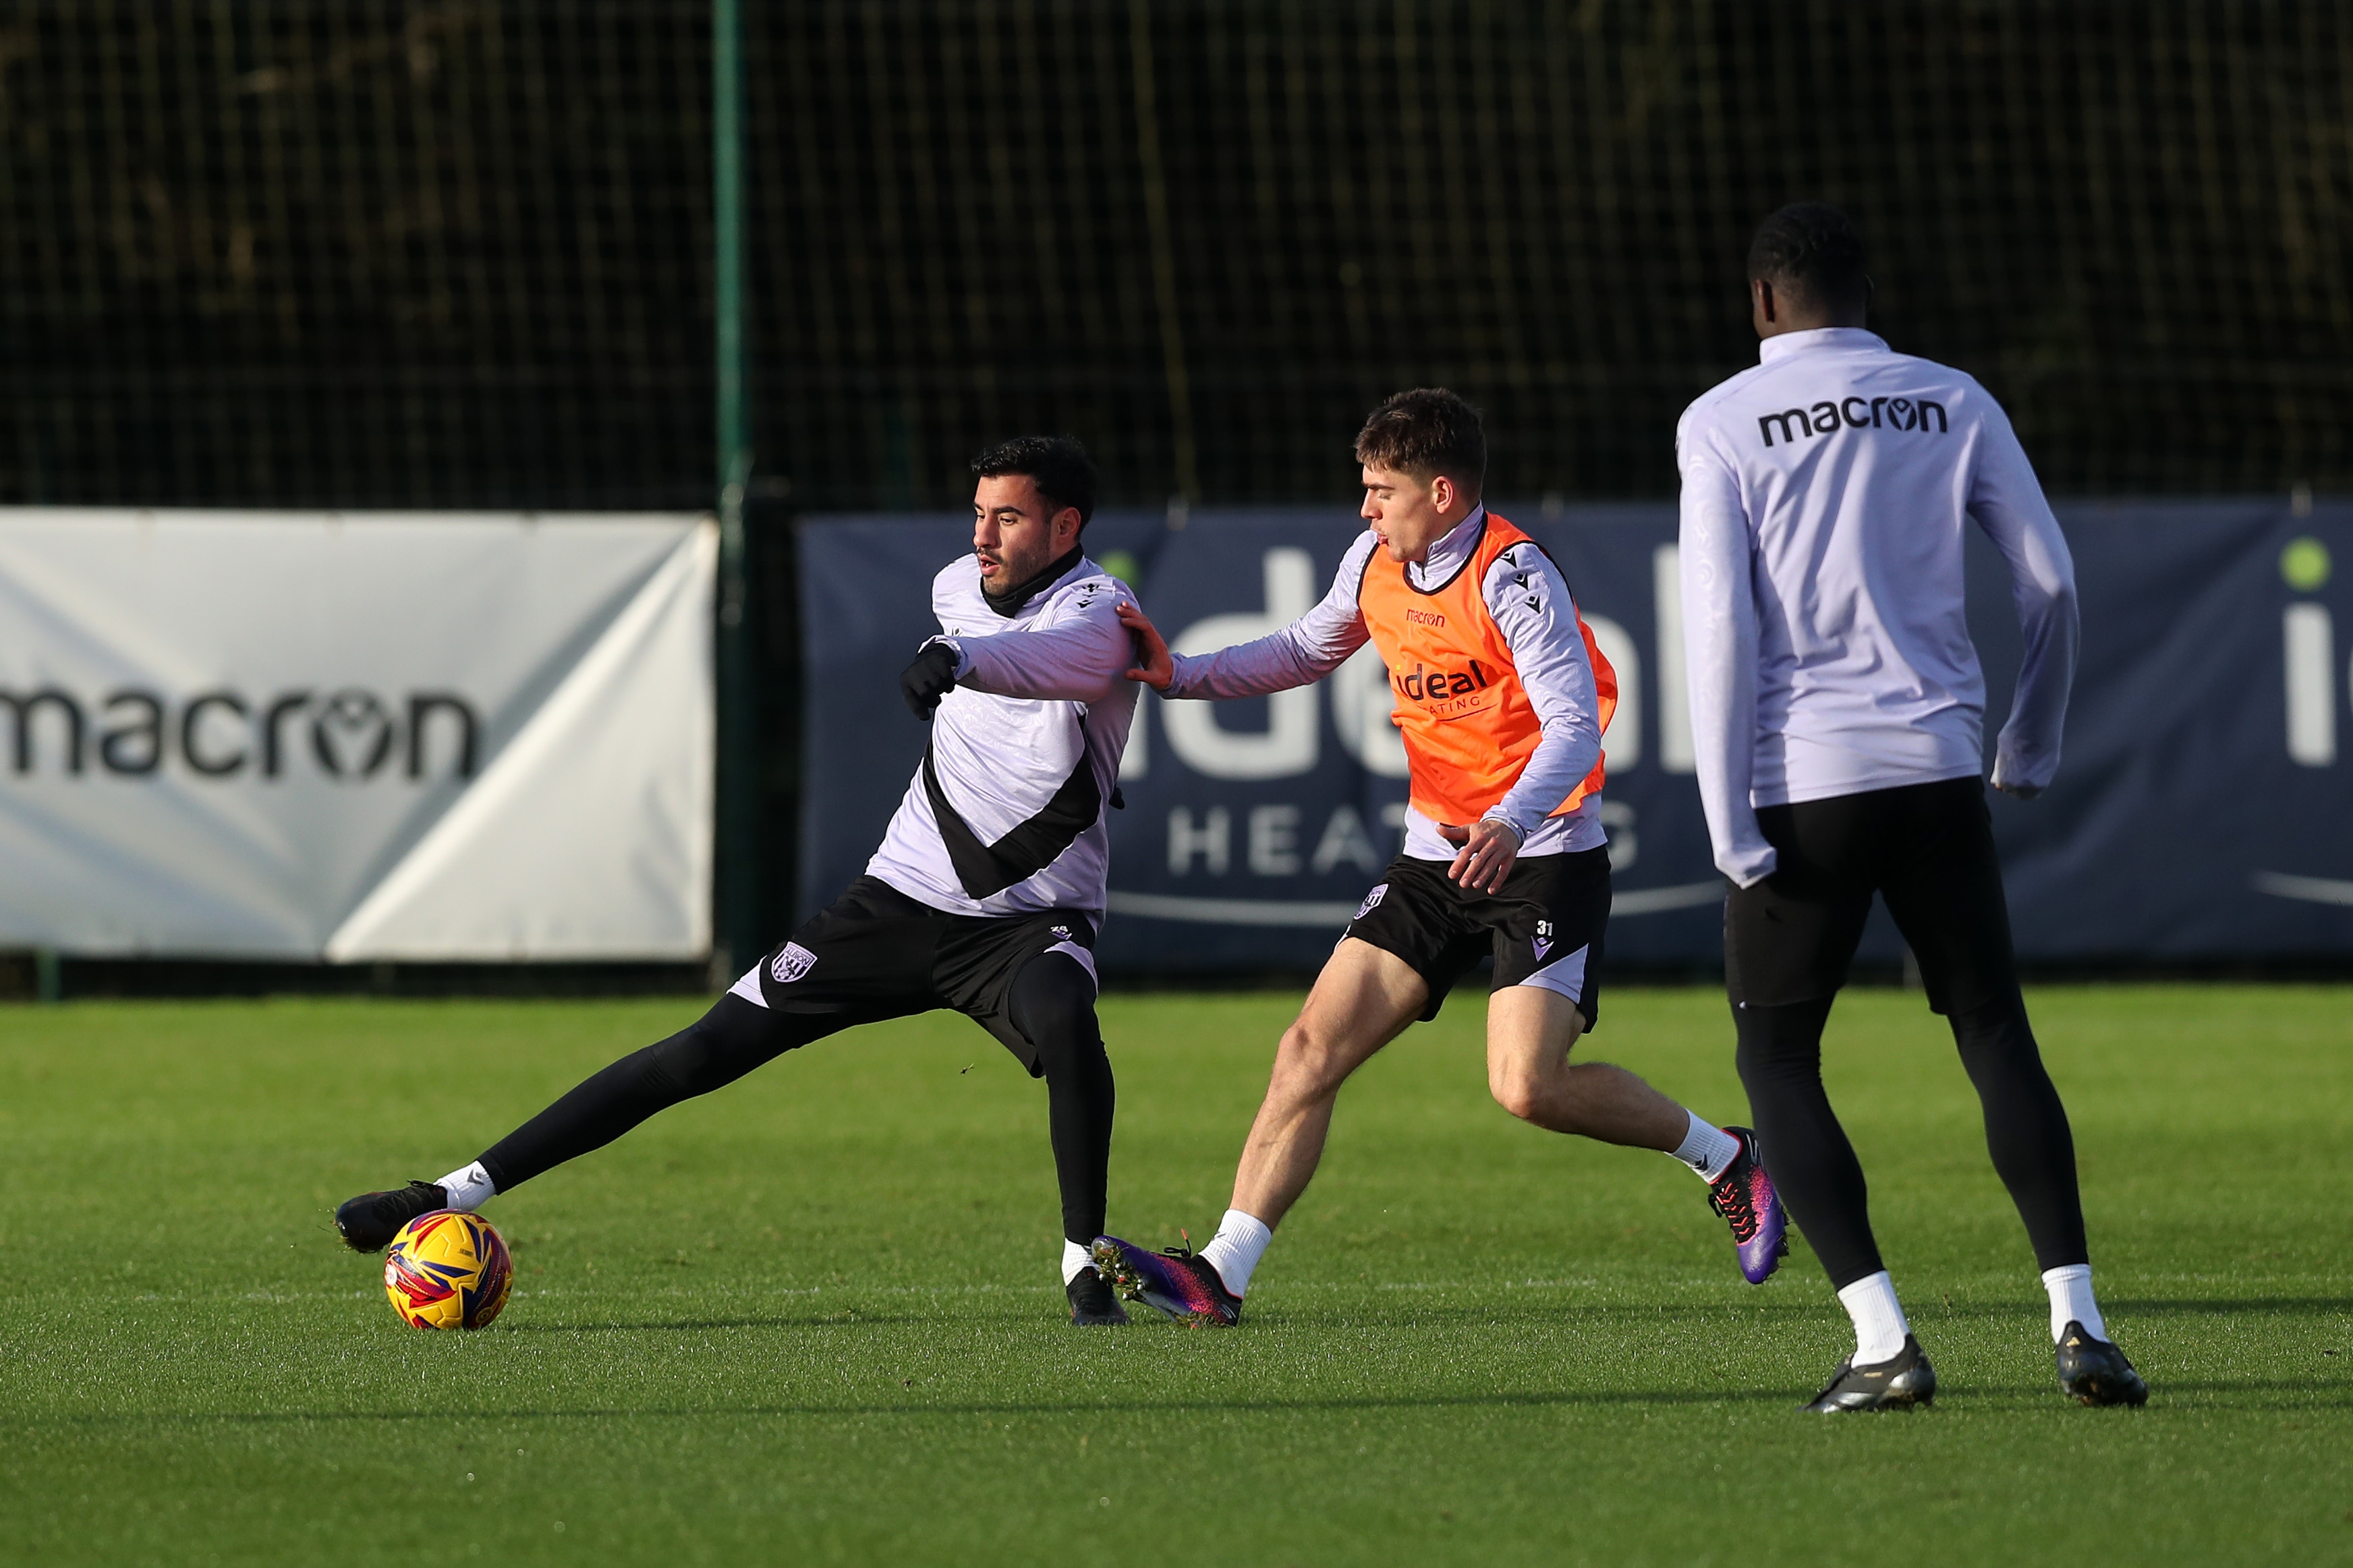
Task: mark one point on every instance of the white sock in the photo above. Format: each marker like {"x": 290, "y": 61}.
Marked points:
{"x": 1075, "y": 1257}
{"x": 1879, "y": 1325}
{"x": 1707, "y": 1148}
{"x": 2071, "y": 1302}
{"x": 469, "y": 1189}
{"x": 1235, "y": 1250}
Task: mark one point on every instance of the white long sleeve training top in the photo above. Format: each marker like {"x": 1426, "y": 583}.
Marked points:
{"x": 1531, "y": 603}
{"x": 1040, "y": 713}
{"x": 1823, "y": 497}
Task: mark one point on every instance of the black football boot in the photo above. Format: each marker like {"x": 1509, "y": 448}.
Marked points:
{"x": 2095, "y": 1372}
{"x": 1903, "y": 1382}
{"x": 1092, "y": 1304}
{"x": 370, "y": 1221}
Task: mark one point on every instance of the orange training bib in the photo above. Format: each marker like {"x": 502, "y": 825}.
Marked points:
{"x": 1468, "y": 727}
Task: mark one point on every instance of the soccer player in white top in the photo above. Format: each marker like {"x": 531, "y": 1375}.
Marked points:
{"x": 985, "y": 897}
{"x": 1837, "y": 708}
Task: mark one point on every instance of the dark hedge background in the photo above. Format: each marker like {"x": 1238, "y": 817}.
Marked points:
{"x": 360, "y": 252}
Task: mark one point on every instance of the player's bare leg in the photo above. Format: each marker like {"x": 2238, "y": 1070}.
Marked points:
{"x": 1363, "y": 999}
{"x": 1530, "y": 1032}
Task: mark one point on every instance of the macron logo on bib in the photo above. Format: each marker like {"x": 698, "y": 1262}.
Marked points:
{"x": 792, "y": 963}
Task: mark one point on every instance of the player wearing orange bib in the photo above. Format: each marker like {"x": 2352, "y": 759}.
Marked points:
{"x": 1501, "y": 697}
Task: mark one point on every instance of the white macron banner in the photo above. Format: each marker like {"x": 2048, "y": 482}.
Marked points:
{"x": 356, "y": 736}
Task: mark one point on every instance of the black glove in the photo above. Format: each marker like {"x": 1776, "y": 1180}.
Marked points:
{"x": 926, "y": 680}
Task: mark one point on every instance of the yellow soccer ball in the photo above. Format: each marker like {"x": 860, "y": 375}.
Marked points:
{"x": 448, "y": 1270}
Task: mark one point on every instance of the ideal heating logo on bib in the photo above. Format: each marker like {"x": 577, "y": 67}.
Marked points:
{"x": 1449, "y": 694}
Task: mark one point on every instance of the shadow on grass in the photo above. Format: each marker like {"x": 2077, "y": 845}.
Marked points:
{"x": 1394, "y": 1311}
{"x": 840, "y": 1318}
{"x": 2159, "y": 1308}
{"x": 1373, "y": 1311}
{"x": 913, "y": 1407}
{"x": 1373, "y": 1305}
{"x": 2253, "y": 1395}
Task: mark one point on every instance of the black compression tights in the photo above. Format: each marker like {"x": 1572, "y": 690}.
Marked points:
{"x": 1053, "y": 1004}
{"x": 1054, "y": 1007}
{"x": 1814, "y": 1166}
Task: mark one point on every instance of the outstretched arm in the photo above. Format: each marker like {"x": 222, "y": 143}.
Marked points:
{"x": 1720, "y": 649}
{"x": 1300, "y": 654}
{"x": 1081, "y": 656}
{"x": 2006, "y": 502}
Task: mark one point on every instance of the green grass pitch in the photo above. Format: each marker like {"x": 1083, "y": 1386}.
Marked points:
{"x": 813, "y": 1319}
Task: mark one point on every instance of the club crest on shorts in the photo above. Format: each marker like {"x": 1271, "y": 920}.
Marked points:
{"x": 793, "y": 962}
{"x": 1372, "y": 901}
{"x": 1543, "y": 943}
{"x": 1061, "y": 934}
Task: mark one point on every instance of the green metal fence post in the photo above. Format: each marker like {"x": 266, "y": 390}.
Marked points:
{"x": 732, "y": 852}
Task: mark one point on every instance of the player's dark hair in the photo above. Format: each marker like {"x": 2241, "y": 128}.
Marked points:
{"x": 1425, "y": 432}
{"x": 1813, "y": 253}
{"x": 1060, "y": 467}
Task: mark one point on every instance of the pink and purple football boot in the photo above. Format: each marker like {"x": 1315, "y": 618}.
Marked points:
{"x": 1743, "y": 1196}
{"x": 1178, "y": 1282}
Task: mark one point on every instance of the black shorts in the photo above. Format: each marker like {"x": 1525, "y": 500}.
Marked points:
{"x": 875, "y": 953}
{"x": 1927, "y": 849}
{"x": 1551, "y": 911}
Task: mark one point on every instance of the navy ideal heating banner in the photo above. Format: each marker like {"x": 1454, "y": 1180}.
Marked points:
{"x": 2204, "y": 807}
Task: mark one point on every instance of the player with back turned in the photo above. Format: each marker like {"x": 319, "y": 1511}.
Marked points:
{"x": 1837, "y": 710}
{"x": 1502, "y": 699}
{"x": 985, "y": 897}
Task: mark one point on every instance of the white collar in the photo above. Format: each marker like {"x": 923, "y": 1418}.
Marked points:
{"x": 1447, "y": 556}
{"x": 1816, "y": 340}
